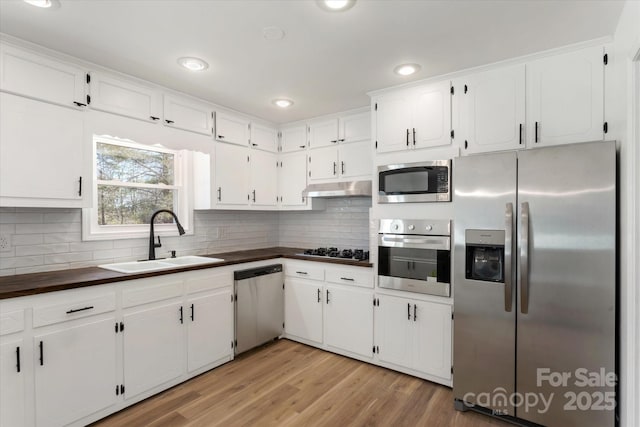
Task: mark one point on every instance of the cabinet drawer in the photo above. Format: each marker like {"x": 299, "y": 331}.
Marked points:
{"x": 151, "y": 290}
{"x": 304, "y": 271}
{"x": 74, "y": 308}
{"x": 351, "y": 276}
{"x": 210, "y": 281}
{"x": 11, "y": 321}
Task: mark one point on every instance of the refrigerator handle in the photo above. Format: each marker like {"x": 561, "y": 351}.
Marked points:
{"x": 508, "y": 245}
{"x": 524, "y": 258}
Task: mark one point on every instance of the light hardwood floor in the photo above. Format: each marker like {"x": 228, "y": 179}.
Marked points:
{"x": 290, "y": 384}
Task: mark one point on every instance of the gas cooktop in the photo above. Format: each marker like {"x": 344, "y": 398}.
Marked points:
{"x": 354, "y": 254}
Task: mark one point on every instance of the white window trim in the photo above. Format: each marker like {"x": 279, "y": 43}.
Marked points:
{"x": 92, "y": 231}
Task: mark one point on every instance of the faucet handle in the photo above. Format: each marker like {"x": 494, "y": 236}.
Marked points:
{"x": 159, "y": 244}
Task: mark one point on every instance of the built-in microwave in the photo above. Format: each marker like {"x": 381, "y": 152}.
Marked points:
{"x": 428, "y": 181}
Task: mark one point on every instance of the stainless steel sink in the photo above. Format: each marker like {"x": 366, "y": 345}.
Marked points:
{"x": 162, "y": 264}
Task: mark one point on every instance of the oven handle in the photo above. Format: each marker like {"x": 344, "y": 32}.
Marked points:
{"x": 418, "y": 242}
{"x": 508, "y": 236}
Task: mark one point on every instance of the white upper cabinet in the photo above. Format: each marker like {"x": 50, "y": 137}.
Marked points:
{"x": 264, "y": 137}
{"x": 355, "y": 160}
{"x": 355, "y": 127}
{"x": 431, "y": 115}
{"x": 491, "y": 108}
{"x": 263, "y": 182}
{"x": 125, "y": 98}
{"x": 293, "y": 138}
{"x": 42, "y": 154}
{"x": 292, "y": 179}
{"x": 414, "y": 118}
{"x": 189, "y": 115}
{"x": 232, "y": 129}
{"x": 323, "y": 133}
{"x": 41, "y": 77}
{"x": 231, "y": 175}
{"x": 323, "y": 164}
{"x": 565, "y": 98}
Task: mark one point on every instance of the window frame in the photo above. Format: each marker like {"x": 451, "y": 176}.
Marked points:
{"x": 91, "y": 230}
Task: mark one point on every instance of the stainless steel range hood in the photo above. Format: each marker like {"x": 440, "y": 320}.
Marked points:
{"x": 338, "y": 189}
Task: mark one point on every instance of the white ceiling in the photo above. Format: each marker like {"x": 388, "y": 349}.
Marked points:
{"x": 326, "y": 62}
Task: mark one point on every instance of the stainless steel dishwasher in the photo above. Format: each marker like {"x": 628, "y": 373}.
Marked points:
{"x": 259, "y": 303}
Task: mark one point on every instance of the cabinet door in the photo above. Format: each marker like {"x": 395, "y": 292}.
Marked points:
{"x": 37, "y": 76}
{"x": 324, "y": 133}
{"x": 565, "y": 98}
{"x": 187, "y": 115}
{"x": 432, "y": 339}
{"x": 210, "y": 328}
{"x": 75, "y": 372}
{"x": 264, "y": 138}
{"x": 121, "y": 97}
{"x": 13, "y": 368}
{"x": 393, "y": 322}
{"x": 355, "y": 159}
{"x": 348, "y": 319}
{"x": 293, "y": 138}
{"x": 355, "y": 127}
{"x": 393, "y": 120}
{"x": 153, "y": 347}
{"x": 323, "y": 164}
{"x": 232, "y": 174}
{"x": 292, "y": 179}
{"x": 431, "y": 115}
{"x": 264, "y": 178}
{"x": 232, "y": 129}
{"x": 493, "y": 110}
{"x": 41, "y": 154}
{"x": 303, "y": 301}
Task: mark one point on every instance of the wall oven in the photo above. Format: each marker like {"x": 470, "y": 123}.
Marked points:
{"x": 415, "y": 182}
{"x": 414, "y": 255}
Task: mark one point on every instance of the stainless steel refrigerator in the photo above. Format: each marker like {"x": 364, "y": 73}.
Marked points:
{"x": 535, "y": 284}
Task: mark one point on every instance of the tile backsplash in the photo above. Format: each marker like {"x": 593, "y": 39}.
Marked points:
{"x": 42, "y": 239}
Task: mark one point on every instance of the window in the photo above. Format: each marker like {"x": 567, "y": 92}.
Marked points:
{"x": 131, "y": 181}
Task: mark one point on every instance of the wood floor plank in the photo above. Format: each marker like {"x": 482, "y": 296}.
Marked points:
{"x": 287, "y": 384}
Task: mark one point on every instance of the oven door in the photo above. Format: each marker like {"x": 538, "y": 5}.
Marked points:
{"x": 415, "y": 182}
{"x": 415, "y": 263}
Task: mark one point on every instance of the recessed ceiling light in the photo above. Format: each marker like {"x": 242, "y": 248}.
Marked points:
{"x": 406, "y": 69}
{"x": 335, "y": 5}
{"x": 283, "y": 102}
{"x": 41, "y": 3}
{"x": 272, "y": 33}
{"x": 193, "y": 64}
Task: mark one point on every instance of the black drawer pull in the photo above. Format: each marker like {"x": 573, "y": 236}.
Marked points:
{"x": 327, "y": 296}
{"x": 169, "y": 122}
{"x": 154, "y": 118}
{"x": 75, "y": 310}
{"x": 193, "y": 313}
{"x": 318, "y": 295}
{"x": 181, "y": 315}
{"x": 220, "y": 136}
{"x": 18, "y": 359}
{"x": 41, "y": 353}
{"x": 408, "y": 311}
{"x": 347, "y": 278}
{"x": 415, "y": 311}
{"x": 302, "y": 272}
{"x": 80, "y": 186}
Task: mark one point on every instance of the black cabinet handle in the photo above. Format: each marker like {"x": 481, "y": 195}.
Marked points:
{"x": 407, "y": 137}
{"x": 75, "y": 310}
{"x": 414, "y": 136}
{"x": 254, "y": 196}
{"x": 169, "y": 121}
{"x": 80, "y": 186}
{"x": 536, "y": 138}
{"x": 154, "y": 118}
{"x": 327, "y": 296}
{"x": 193, "y": 313}
{"x": 254, "y": 145}
{"x": 302, "y": 146}
{"x": 341, "y": 140}
{"x": 333, "y": 141}
{"x": 347, "y": 278}
{"x": 302, "y": 272}
{"x": 415, "y": 311}
{"x": 79, "y": 104}
{"x": 220, "y": 136}
{"x": 466, "y": 144}
{"x": 219, "y": 194}
{"x": 18, "y": 359}
{"x": 181, "y": 315}
{"x": 335, "y": 165}
{"x": 318, "y": 295}
{"x": 41, "y": 345}
{"x": 408, "y": 311}
{"x": 342, "y": 167}
{"x": 520, "y": 134}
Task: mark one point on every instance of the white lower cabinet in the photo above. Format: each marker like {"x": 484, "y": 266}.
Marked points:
{"x": 153, "y": 347}
{"x": 13, "y": 382}
{"x": 349, "y": 319}
{"x": 75, "y": 371}
{"x": 303, "y": 302}
{"x": 414, "y": 334}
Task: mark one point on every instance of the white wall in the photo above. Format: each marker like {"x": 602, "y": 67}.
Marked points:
{"x": 620, "y": 115}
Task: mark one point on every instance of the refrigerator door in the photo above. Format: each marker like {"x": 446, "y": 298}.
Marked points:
{"x": 567, "y": 284}
{"x": 485, "y": 315}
